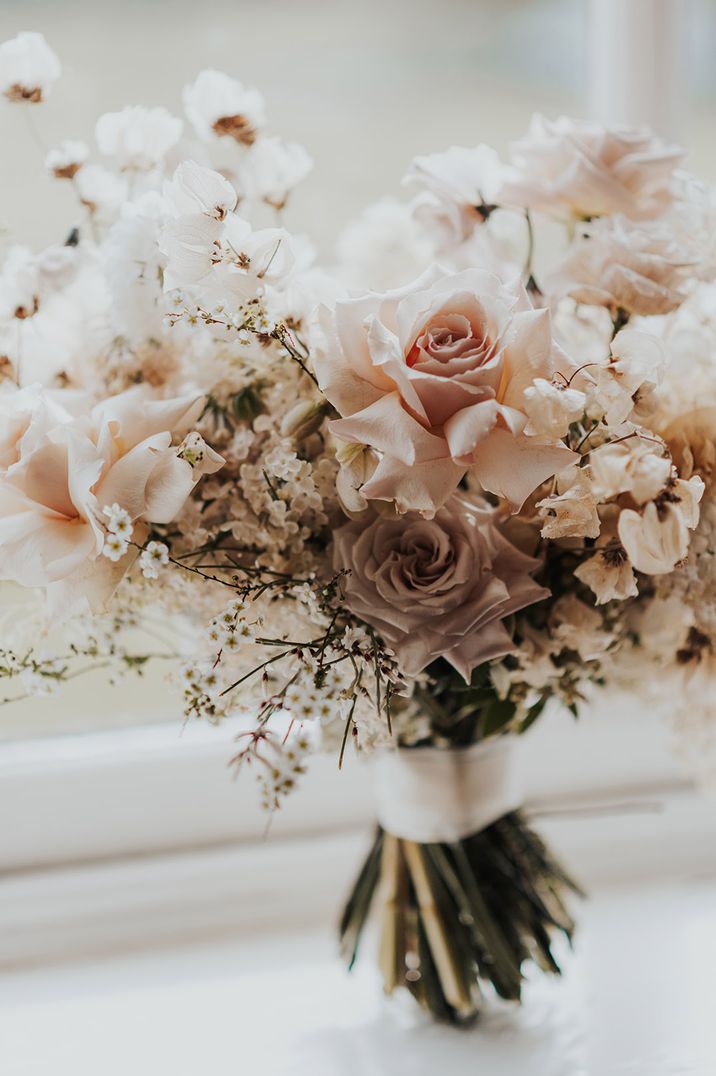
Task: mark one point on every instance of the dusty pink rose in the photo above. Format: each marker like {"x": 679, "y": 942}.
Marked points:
{"x": 61, "y": 465}
{"x": 433, "y": 377}
{"x": 578, "y": 169}
{"x": 439, "y": 587}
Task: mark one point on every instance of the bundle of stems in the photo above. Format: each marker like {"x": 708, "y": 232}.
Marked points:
{"x": 455, "y": 917}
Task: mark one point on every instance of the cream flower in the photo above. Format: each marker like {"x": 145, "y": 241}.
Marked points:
{"x": 552, "y": 407}
{"x": 578, "y": 627}
{"x": 272, "y": 168}
{"x": 64, "y": 469}
{"x": 609, "y": 575}
{"x": 572, "y": 511}
{"x": 628, "y": 381}
{"x": 639, "y": 466}
{"x": 657, "y": 539}
{"x": 576, "y": 170}
{"x": 634, "y": 268}
{"x": 462, "y": 186}
{"x": 691, "y": 438}
{"x": 436, "y": 588}
{"x": 137, "y": 139}
{"x": 28, "y": 68}
{"x": 218, "y": 105}
{"x": 433, "y": 377}
{"x": 358, "y": 464}
{"x": 223, "y": 260}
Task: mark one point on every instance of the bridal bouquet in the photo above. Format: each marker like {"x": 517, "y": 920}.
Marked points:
{"x": 406, "y": 500}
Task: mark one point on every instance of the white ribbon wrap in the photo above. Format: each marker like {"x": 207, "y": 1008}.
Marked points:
{"x": 429, "y": 794}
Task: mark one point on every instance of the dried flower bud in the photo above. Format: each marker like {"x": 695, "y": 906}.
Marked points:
{"x": 304, "y": 419}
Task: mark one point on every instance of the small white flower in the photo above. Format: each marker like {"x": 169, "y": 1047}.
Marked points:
{"x": 114, "y": 547}
{"x": 66, "y": 161}
{"x": 28, "y": 68}
{"x": 210, "y": 682}
{"x": 137, "y": 138}
{"x": 235, "y": 607}
{"x": 218, "y": 105}
{"x": 152, "y": 558}
{"x": 119, "y": 521}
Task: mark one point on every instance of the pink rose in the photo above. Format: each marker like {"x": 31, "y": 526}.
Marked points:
{"x": 436, "y": 588}
{"x": 59, "y": 469}
{"x": 433, "y": 377}
{"x": 578, "y": 169}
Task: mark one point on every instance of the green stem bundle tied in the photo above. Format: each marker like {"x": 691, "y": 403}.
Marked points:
{"x": 459, "y": 916}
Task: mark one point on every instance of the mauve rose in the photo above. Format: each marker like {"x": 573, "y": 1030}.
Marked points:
{"x": 436, "y": 588}
{"x": 578, "y": 169}
{"x": 433, "y": 377}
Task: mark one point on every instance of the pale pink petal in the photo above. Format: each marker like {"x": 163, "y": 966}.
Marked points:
{"x": 388, "y": 427}
{"x": 466, "y": 429}
{"x": 421, "y": 487}
{"x": 512, "y": 467}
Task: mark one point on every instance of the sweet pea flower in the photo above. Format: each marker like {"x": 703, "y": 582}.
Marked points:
{"x": 657, "y": 538}
{"x": 460, "y": 187}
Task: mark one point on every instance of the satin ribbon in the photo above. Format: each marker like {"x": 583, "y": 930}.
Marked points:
{"x": 429, "y": 794}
